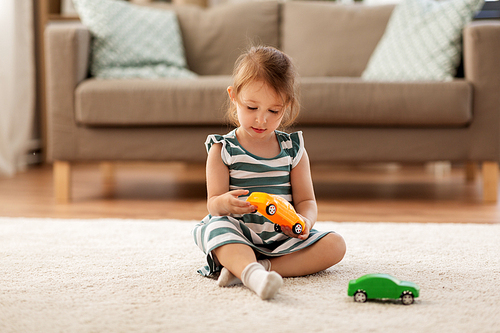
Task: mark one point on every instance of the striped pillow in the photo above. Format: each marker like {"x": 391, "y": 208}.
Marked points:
{"x": 422, "y": 41}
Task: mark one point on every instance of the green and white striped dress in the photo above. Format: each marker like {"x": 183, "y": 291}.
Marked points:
{"x": 256, "y": 174}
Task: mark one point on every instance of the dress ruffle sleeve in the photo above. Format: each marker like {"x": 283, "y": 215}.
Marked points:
{"x": 293, "y": 144}
{"x": 298, "y": 147}
{"x": 216, "y": 138}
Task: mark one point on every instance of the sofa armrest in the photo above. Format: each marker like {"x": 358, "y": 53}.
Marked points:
{"x": 67, "y": 48}
{"x": 481, "y": 42}
{"x": 481, "y": 49}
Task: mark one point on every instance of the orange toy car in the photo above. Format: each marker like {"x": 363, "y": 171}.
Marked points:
{"x": 277, "y": 210}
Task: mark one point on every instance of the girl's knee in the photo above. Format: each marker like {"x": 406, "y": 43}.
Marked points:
{"x": 337, "y": 247}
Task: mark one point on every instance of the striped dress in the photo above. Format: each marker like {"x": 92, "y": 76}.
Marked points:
{"x": 255, "y": 174}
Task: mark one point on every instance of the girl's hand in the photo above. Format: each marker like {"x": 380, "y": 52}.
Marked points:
{"x": 305, "y": 232}
{"x": 230, "y": 203}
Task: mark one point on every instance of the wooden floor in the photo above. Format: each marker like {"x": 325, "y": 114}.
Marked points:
{"x": 177, "y": 191}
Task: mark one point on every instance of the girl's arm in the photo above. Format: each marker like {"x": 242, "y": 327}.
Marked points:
{"x": 220, "y": 200}
{"x": 303, "y": 194}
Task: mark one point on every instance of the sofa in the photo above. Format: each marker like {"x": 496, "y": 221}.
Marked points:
{"x": 344, "y": 117}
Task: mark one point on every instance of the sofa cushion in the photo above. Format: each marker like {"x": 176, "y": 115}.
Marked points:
{"x": 133, "y": 41}
{"x": 325, "y": 101}
{"x": 422, "y": 41}
{"x": 344, "y": 36}
{"x": 353, "y": 101}
{"x": 139, "y": 102}
{"x": 215, "y": 37}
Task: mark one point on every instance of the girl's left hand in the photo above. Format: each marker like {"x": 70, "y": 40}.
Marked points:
{"x": 305, "y": 233}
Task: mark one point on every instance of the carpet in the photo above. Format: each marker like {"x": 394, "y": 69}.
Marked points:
{"x": 114, "y": 275}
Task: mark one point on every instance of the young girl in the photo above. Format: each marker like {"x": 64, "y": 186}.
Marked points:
{"x": 257, "y": 157}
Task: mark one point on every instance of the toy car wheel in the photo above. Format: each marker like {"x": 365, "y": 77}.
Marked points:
{"x": 360, "y": 296}
{"x": 297, "y": 229}
{"x": 277, "y": 228}
{"x": 407, "y": 298}
{"x": 271, "y": 209}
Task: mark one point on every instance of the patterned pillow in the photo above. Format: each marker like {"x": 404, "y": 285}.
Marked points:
{"x": 422, "y": 41}
{"x": 133, "y": 41}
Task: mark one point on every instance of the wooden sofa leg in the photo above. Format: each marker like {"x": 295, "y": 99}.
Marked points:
{"x": 108, "y": 178}
{"x": 470, "y": 172}
{"x": 62, "y": 181}
{"x": 490, "y": 181}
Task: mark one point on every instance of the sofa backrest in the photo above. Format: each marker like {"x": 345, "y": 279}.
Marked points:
{"x": 323, "y": 38}
{"x": 331, "y": 39}
{"x": 215, "y": 37}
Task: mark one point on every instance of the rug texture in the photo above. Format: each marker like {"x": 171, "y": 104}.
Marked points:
{"x": 140, "y": 276}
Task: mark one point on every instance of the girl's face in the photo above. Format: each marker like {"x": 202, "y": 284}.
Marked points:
{"x": 260, "y": 110}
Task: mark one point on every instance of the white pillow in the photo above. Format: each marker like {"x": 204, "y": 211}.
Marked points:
{"x": 422, "y": 41}
{"x": 133, "y": 41}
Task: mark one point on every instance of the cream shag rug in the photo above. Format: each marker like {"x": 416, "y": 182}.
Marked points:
{"x": 115, "y": 275}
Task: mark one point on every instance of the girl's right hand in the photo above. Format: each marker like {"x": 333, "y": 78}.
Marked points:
{"x": 230, "y": 203}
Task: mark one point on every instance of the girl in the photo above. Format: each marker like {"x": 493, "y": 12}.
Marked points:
{"x": 257, "y": 157}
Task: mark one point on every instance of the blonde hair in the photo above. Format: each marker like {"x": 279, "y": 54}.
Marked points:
{"x": 268, "y": 64}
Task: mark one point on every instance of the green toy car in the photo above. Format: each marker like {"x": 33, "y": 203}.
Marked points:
{"x": 381, "y": 286}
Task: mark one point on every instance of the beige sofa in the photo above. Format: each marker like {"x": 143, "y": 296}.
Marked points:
{"x": 344, "y": 118}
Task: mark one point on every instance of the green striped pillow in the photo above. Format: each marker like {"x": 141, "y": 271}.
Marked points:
{"x": 133, "y": 41}
{"x": 422, "y": 41}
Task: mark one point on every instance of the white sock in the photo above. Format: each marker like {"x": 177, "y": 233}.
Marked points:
{"x": 263, "y": 283}
{"x": 226, "y": 278}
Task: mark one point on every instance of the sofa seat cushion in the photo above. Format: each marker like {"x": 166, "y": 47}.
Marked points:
{"x": 352, "y": 101}
{"x": 141, "y": 102}
{"x": 324, "y": 100}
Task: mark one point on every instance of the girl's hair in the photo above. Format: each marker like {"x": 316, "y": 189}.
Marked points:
{"x": 275, "y": 68}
